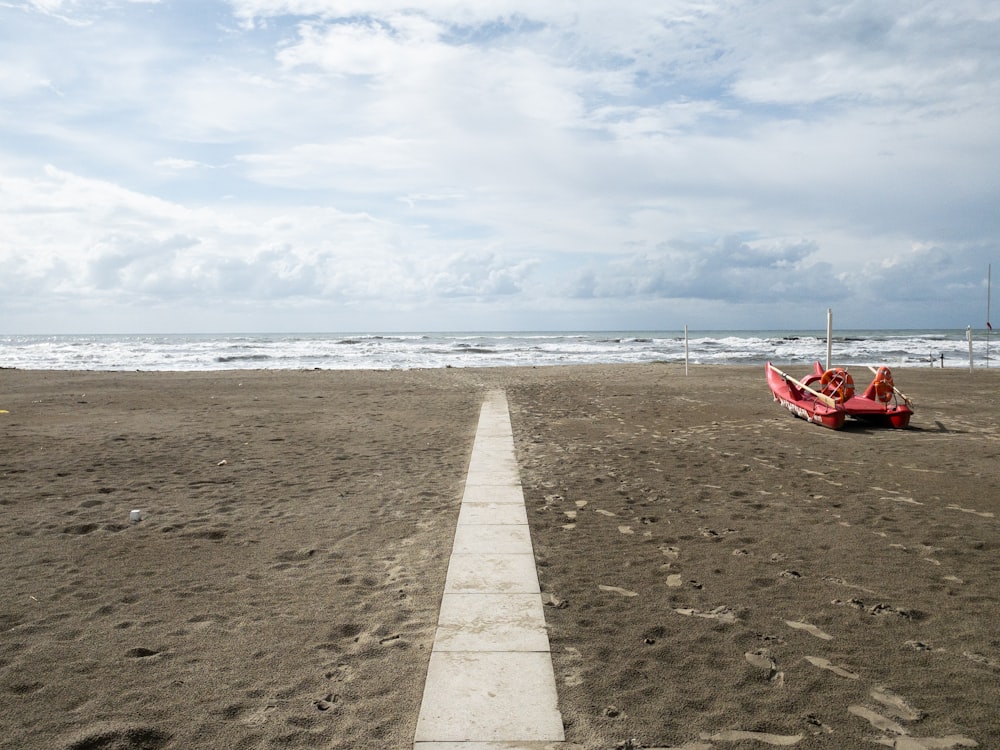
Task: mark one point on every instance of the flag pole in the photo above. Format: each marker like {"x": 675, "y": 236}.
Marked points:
{"x": 968, "y": 335}
{"x": 685, "y": 349}
{"x": 829, "y": 336}
{"x": 989, "y": 328}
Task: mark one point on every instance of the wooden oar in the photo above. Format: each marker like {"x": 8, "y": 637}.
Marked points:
{"x": 821, "y": 397}
{"x": 906, "y": 399}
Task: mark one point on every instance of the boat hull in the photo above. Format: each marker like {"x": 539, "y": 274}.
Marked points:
{"x": 801, "y": 403}
{"x": 800, "y": 398}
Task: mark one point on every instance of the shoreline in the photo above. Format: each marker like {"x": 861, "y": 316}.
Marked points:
{"x": 375, "y": 351}
{"x": 283, "y": 586}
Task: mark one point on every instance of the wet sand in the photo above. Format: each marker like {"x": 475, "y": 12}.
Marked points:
{"x": 717, "y": 572}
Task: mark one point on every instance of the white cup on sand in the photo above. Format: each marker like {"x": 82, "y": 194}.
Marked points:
{"x": 135, "y": 515}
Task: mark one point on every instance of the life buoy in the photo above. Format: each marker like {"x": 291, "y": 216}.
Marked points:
{"x": 838, "y": 384}
{"x": 884, "y": 386}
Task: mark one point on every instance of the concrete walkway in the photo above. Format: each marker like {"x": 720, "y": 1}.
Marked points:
{"x": 490, "y": 684}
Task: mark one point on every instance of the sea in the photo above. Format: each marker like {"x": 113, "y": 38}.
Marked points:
{"x": 401, "y": 351}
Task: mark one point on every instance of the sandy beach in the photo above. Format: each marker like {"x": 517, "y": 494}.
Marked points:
{"x": 717, "y": 572}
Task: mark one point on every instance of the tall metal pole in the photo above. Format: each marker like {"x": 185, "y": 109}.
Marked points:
{"x": 829, "y": 336}
{"x": 989, "y": 327}
{"x": 968, "y": 335}
{"x": 685, "y": 349}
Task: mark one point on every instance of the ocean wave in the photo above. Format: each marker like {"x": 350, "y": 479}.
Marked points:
{"x": 243, "y": 358}
{"x": 373, "y": 351}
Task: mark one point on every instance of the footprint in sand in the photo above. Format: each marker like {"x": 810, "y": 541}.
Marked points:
{"x": 933, "y": 743}
{"x": 887, "y": 609}
{"x": 762, "y": 658}
{"x": 261, "y": 715}
{"x": 675, "y": 581}
{"x": 713, "y": 534}
{"x": 981, "y": 659}
{"x": 881, "y": 608}
{"x": 811, "y": 629}
{"x": 817, "y": 661}
{"x": 735, "y": 735}
{"x": 672, "y": 552}
{"x": 722, "y": 614}
{"x": 817, "y": 726}
{"x": 605, "y": 512}
{"x": 132, "y": 736}
{"x": 845, "y": 584}
{"x": 625, "y": 530}
{"x": 326, "y": 703}
{"x": 877, "y": 720}
{"x": 551, "y": 600}
{"x": 617, "y": 590}
{"x": 574, "y": 676}
{"x": 970, "y": 510}
{"x": 907, "y": 500}
{"x": 896, "y": 704}
{"x": 897, "y": 736}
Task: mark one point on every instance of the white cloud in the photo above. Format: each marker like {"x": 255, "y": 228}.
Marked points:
{"x": 406, "y": 154}
{"x": 349, "y": 163}
{"x": 178, "y": 165}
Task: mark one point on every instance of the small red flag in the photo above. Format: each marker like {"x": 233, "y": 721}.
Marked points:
{"x": 988, "y": 325}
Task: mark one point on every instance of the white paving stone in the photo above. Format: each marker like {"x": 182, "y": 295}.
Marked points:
{"x": 509, "y": 539}
{"x": 473, "y": 514}
{"x": 491, "y": 622}
{"x": 489, "y": 697}
{"x": 493, "y": 472}
{"x": 492, "y": 574}
{"x": 492, "y": 493}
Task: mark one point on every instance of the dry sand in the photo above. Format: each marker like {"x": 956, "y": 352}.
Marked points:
{"x": 719, "y": 573}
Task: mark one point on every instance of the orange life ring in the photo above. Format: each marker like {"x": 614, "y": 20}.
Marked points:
{"x": 838, "y": 384}
{"x": 884, "y": 386}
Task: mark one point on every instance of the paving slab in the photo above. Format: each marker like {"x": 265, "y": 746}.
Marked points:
{"x": 490, "y": 697}
{"x": 509, "y": 539}
{"x": 492, "y": 574}
{"x": 493, "y": 472}
{"x": 505, "y": 467}
{"x": 493, "y": 493}
{"x": 491, "y": 622}
{"x": 473, "y": 514}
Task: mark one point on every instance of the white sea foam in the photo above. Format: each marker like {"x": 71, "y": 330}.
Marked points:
{"x": 432, "y": 350}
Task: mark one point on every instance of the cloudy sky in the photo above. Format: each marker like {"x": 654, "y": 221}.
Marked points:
{"x": 381, "y": 165}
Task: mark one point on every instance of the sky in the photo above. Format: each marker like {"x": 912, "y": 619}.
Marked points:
{"x": 448, "y": 165}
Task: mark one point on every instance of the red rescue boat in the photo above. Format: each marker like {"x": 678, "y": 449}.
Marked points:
{"x": 828, "y": 397}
